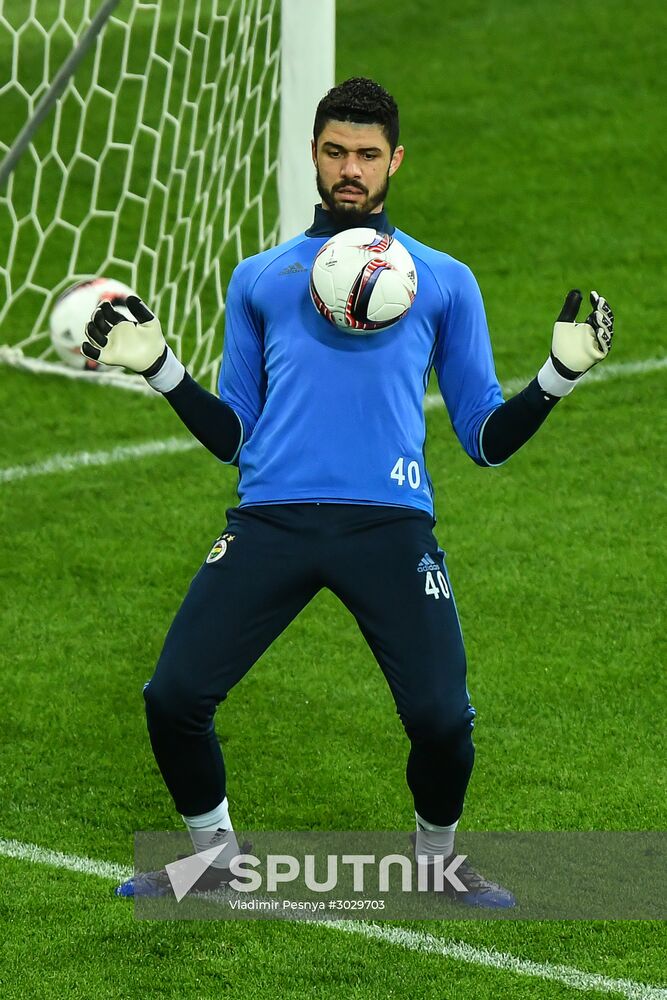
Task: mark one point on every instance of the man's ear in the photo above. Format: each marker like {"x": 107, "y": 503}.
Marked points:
{"x": 396, "y": 160}
{"x": 313, "y": 152}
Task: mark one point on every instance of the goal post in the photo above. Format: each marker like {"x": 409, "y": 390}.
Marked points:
{"x": 157, "y": 144}
{"x": 308, "y": 32}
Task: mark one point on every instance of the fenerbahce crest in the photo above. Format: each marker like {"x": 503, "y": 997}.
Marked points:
{"x": 220, "y": 546}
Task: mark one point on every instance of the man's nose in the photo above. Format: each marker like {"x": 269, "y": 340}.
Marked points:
{"x": 351, "y": 167}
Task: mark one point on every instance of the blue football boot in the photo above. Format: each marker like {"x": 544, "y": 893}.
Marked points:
{"x": 147, "y": 884}
{"x": 479, "y": 891}
{"x": 152, "y": 885}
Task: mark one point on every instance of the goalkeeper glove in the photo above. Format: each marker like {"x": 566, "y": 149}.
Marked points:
{"x": 576, "y": 347}
{"x": 113, "y": 339}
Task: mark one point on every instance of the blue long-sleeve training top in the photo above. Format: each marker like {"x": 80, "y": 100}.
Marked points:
{"x": 337, "y": 417}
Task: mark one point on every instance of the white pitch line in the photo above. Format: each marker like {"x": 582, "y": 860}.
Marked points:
{"x": 56, "y": 859}
{"x": 489, "y": 958}
{"x": 172, "y": 445}
{"x": 418, "y": 941}
{"x": 84, "y": 459}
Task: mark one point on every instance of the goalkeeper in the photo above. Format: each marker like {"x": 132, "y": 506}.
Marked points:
{"x": 328, "y": 431}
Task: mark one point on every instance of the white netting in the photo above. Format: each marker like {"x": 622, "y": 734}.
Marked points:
{"x": 157, "y": 167}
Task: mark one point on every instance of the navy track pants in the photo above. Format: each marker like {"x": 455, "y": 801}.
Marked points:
{"x": 385, "y": 565}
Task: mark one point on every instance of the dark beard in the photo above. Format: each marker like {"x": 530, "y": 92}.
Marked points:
{"x": 347, "y": 214}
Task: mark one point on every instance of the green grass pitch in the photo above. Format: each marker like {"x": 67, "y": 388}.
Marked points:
{"x": 534, "y": 133}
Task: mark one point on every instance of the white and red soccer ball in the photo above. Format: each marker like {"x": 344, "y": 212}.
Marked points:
{"x": 363, "y": 281}
{"x": 74, "y": 308}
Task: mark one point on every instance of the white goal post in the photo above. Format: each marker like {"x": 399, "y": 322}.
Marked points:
{"x": 154, "y": 143}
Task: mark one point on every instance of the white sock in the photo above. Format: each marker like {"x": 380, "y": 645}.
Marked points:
{"x": 434, "y": 840}
{"x": 213, "y": 828}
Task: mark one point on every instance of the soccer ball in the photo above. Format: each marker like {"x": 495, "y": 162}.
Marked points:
{"x": 73, "y": 310}
{"x": 363, "y": 281}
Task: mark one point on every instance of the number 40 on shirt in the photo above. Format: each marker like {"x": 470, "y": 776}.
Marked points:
{"x": 413, "y": 474}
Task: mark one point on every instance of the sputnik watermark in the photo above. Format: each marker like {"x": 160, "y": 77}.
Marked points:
{"x": 280, "y": 869}
{"x": 365, "y": 874}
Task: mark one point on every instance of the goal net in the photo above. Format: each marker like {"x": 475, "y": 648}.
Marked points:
{"x": 158, "y": 166}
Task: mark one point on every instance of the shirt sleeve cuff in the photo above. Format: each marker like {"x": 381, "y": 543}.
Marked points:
{"x": 170, "y": 375}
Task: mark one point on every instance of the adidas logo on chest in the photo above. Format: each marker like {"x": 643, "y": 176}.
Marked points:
{"x": 296, "y": 268}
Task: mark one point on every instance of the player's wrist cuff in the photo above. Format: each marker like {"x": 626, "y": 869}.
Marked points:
{"x": 170, "y": 374}
{"x": 554, "y": 383}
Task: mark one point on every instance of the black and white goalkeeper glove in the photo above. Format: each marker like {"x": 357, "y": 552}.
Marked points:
{"x": 138, "y": 344}
{"x": 576, "y": 347}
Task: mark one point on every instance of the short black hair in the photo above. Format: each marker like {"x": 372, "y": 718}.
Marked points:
{"x": 359, "y": 100}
